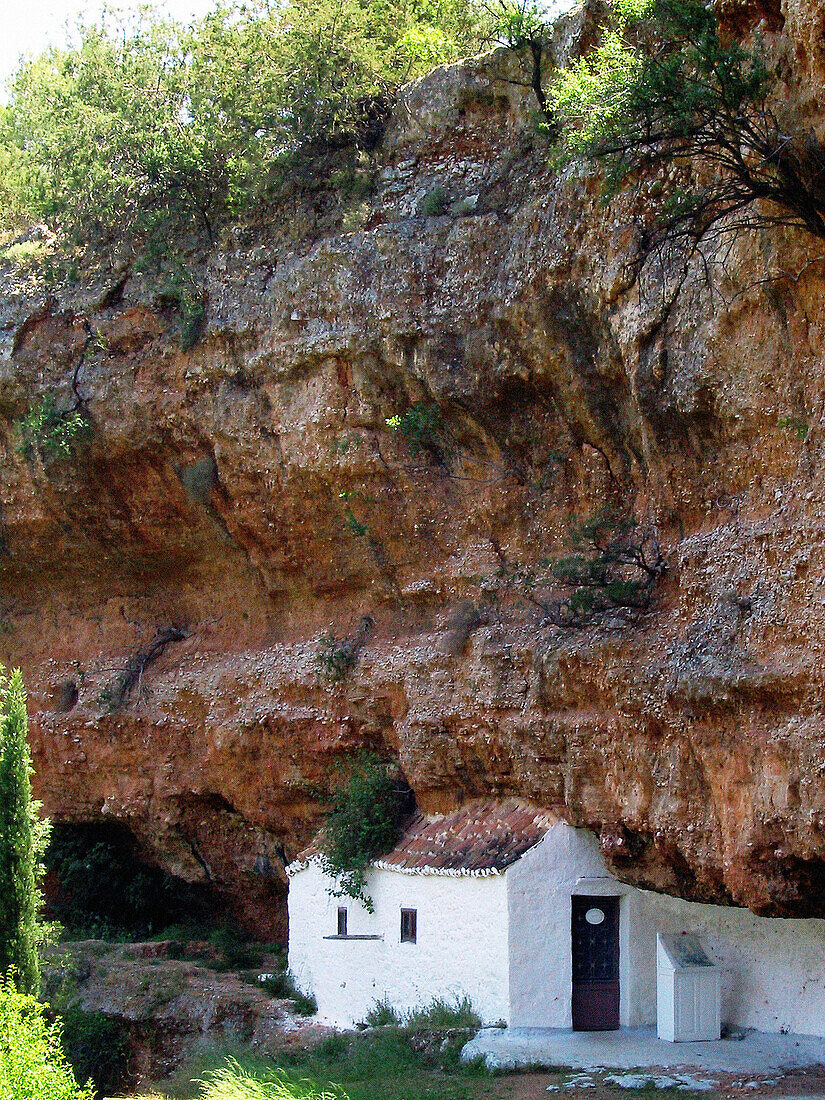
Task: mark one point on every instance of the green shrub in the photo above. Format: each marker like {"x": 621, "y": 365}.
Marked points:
{"x": 382, "y": 1014}
{"x": 441, "y": 1014}
{"x": 23, "y": 838}
{"x": 335, "y": 658}
{"x": 368, "y": 811}
{"x": 665, "y": 96}
{"x": 32, "y": 1063}
{"x": 421, "y": 426}
{"x": 304, "y": 1004}
{"x": 96, "y": 1048}
{"x": 51, "y": 432}
{"x": 236, "y": 952}
{"x": 434, "y": 203}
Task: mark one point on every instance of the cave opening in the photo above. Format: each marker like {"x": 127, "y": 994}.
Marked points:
{"x": 98, "y": 886}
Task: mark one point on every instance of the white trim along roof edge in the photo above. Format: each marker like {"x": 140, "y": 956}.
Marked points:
{"x": 380, "y": 865}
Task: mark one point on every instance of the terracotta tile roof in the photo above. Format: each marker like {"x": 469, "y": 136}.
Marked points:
{"x": 483, "y": 837}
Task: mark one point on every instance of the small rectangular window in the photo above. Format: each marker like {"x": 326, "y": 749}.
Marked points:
{"x": 409, "y": 925}
{"x": 342, "y": 920}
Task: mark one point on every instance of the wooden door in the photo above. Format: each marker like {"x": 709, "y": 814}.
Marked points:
{"x": 595, "y": 936}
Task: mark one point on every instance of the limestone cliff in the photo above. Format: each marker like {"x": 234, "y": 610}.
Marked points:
{"x": 168, "y": 591}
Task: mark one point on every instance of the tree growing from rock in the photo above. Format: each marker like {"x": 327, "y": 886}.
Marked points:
{"x": 666, "y": 103}
{"x": 23, "y": 838}
{"x": 368, "y": 811}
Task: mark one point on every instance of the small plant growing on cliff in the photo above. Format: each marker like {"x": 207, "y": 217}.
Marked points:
{"x": 434, "y": 203}
{"x": 611, "y": 572}
{"x": 665, "y": 97}
{"x": 795, "y": 424}
{"x": 421, "y": 427}
{"x": 351, "y": 521}
{"x": 181, "y": 293}
{"x": 368, "y": 812}
{"x": 336, "y": 658}
{"x": 51, "y": 432}
{"x": 113, "y": 697}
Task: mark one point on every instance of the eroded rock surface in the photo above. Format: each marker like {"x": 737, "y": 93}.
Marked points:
{"x": 248, "y": 494}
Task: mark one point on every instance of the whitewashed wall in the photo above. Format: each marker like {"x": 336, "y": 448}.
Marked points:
{"x": 773, "y": 975}
{"x": 773, "y": 971}
{"x": 539, "y": 887}
{"x": 461, "y": 945}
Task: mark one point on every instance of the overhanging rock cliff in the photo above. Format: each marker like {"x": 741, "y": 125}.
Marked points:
{"x": 170, "y": 590}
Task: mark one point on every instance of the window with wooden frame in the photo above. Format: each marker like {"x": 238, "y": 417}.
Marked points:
{"x": 342, "y": 920}
{"x": 409, "y": 925}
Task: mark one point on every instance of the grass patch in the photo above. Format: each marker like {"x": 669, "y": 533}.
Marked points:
{"x": 385, "y": 1064}
{"x": 439, "y": 1015}
{"x": 234, "y": 1082}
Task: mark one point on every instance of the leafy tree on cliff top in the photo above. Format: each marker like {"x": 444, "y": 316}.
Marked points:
{"x": 158, "y": 125}
{"x": 23, "y": 837}
{"x": 665, "y": 99}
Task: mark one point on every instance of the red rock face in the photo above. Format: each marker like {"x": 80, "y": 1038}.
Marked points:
{"x": 208, "y": 500}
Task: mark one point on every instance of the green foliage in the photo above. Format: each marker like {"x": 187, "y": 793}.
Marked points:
{"x": 304, "y": 1004}
{"x": 105, "y": 892}
{"x": 795, "y": 424}
{"x": 421, "y": 426}
{"x": 611, "y": 573}
{"x": 152, "y": 126}
{"x": 234, "y": 1082}
{"x": 518, "y": 23}
{"x": 441, "y": 1014}
{"x": 391, "y": 1064}
{"x": 353, "y": 524}
{"x": 335, "y": 658}
{"x": 23, "y": 838}
{"x": 368, "y": 811}
{"x": 236, "y": 953}
{"x": 51, "y": 432}
{"x": 26, "y": 255}
{"x": 664, "y": 96}
{"x": 433, "y": 205}
{"x": 522, "y": 26}
{"x": 382, "y": 1014}
{"x": 613, "y": 570}
{"x": 96, "y": 1049}
{"x": 32, "y": 1063}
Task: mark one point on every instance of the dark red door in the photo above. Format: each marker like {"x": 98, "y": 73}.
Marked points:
{"x": 595, "y": 928}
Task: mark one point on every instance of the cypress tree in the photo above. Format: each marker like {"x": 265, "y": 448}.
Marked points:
{"x": 22, "y": 840}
